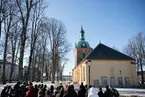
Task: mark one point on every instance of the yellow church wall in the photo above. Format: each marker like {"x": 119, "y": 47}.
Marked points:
{"x": 105, "y": 68}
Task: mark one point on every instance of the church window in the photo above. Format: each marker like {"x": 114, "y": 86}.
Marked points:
{"x": 112, "y": 81}
{"x": 126, "y": 81}
{"x": 83, "y": 55}
{"x": 120, "y": 83}
{"x": 96, "y": 83}
{"x": 104, "y": 81}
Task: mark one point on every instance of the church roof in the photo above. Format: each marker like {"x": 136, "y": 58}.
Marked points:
{"x": 82, "y": 44}
{"x": 104, "y": 52}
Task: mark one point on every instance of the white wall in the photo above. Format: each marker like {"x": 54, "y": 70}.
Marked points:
{"x": 8, "y": 70}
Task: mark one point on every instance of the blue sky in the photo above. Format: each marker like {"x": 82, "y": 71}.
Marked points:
{"x": 113, "y": 22}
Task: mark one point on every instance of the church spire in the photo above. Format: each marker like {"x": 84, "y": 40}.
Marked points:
{"x": 82, "y": 32}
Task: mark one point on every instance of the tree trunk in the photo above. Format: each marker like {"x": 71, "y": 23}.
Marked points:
{"x": 12, "y": 66}
{"x": 46, "y": 71}
{"x": 53, "y": 67}
{"x": 53, "y": 76}
{"x": 34, "y": 69}
{"x": 29, "y": 65}
{"x": 142, "y": 74}
{"x": 61, "y": 76}
{"x": 33, "y": 73}
{"x": 4, "y": 59}
{"x": 49, "y": 75}
{"x": 22, "y": 49}
{"x": 57, "y": 77}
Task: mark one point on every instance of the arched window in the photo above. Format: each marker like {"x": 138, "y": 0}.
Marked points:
{"x": 83, "y": 55}
{"x": 84, "y": 73}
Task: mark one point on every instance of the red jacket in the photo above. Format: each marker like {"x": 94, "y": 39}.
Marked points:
{"x": 30, "y": 92}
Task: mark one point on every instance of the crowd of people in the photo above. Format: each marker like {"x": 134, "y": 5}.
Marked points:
{"x": 41, "y": 90}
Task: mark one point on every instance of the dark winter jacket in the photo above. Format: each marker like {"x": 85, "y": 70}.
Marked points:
{"x": 71, "y": 92}
{"x": 82, "y": 91}
{"x": 3, "y": 93}
{"x": 108, "y": 93}
{"x": 61, "y": 93}
{"x": 100, "y": 94}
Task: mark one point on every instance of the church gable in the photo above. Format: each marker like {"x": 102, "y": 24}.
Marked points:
{"x": 104, "y": 52}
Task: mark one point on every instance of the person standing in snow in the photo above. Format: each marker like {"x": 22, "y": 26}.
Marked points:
{"x": 92, "y": 92}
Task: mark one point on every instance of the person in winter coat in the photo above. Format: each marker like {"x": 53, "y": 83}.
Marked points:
{"x": 65, "y": 88}
{"x": 100, "y": 93}
{"x": 12, "y": 93}
{"x": 61, "y": 93}
{"x": 48, "y": 93}
{"x": 40, "y": 93}
{"x": 17, "y": 88}
{"x": 92, "y": 92}
{"x": 23, "y": 90}
{"x": 82, "y": 86}
{"x": 71, "y": 92}
{"x": 44, "y": 89}
{"x": 108, "y": 92}
{"x": 3, "y": 93}
{"x": 36, "y": 91}
{"x": 82, "y": 91}
{"x": 115, "y": 92}
{"x": 59, "y": 87}
{"x": 52, "y": 89}
{"x": 30, "y": 92}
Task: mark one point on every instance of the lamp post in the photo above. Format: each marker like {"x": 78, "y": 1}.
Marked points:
{"x": 121, "y": 77}
{"x": 89, "y": 64}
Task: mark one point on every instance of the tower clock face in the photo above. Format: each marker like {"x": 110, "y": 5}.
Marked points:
{"x": 83, "y": 45}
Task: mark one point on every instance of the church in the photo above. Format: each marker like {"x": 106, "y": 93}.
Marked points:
{"x": 102, "y": 65}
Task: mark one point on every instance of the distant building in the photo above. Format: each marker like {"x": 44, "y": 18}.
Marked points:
{"x": 66, "y": 77}
{"x": 8, "y": 70}
{"x": 102, "y": 65}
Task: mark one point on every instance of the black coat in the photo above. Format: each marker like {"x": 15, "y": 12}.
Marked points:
{"x": 100, "y": 94}
{"x": 81, "y": 93}
{"x": 108, "y": 93}
{"x": 61, "y": 93}
{"x": 70, "y": 93}
{"x": 3, "y": 93}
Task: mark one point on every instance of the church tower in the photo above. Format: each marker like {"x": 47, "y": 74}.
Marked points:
{"x": 82, "y": 48}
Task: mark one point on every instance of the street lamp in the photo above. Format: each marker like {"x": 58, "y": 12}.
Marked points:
{"x": 121, "y": 77}
{"x": 89, "y": 64}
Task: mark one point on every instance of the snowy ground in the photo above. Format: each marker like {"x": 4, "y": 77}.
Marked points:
{"x": 122, "y": 91}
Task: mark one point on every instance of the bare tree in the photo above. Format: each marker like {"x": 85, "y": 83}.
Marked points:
{"x": 25, "y": 7}
{"x": 14, "y": 41}
{"x": 58, "y": 43}
{"x": 136, "y": 49}
{"x": 37, "y": 12}
{"x": 8, "y": 23}
{"x": 115, "y": 48}
{"x": 61, "y": 68}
